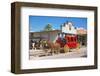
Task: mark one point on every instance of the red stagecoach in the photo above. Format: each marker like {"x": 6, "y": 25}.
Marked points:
{"x": 67, "y": 41}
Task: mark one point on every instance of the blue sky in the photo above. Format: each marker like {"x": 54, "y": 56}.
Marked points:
{"x": 38, "y": 23}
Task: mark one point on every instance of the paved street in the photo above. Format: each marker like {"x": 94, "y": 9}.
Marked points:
{"x": 82, "y": 52}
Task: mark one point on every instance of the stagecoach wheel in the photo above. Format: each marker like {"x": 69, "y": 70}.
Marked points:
{"x": 78, "y": 48}
{"x": 66, "y": 49}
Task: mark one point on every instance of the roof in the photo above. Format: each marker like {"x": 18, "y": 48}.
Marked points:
{"x": 81, "y": 31}
{"x": 47, "y": 31}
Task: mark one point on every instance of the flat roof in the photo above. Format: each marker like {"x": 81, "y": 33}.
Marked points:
{"x": 47, "y": 31}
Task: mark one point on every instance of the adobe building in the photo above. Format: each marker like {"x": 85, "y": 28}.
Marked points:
{"x": 45, "y": 35}
{"x": 82, "y": 36}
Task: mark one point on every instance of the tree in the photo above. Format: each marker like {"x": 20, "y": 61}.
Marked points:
{"x": 48, "y": 27}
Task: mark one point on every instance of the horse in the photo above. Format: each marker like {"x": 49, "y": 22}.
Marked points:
{"x": 35, "y": 45}
{"x": 55, "y": 47}
{"x": 47, "y": 46}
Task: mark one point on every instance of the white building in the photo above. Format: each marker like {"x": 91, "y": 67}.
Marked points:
{"x": 68, "y": 28}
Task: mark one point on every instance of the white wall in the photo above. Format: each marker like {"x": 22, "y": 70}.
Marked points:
{"x": 66, "y": 29}
{"x": 5, "y": 27}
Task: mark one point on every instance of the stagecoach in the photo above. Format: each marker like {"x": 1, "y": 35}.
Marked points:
{"x": 68, "y": 41}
